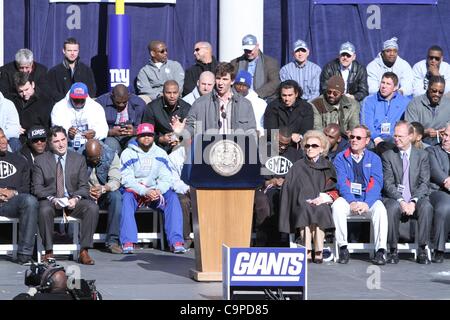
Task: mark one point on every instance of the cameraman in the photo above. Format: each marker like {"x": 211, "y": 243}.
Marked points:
{"x": 47, "y": 282}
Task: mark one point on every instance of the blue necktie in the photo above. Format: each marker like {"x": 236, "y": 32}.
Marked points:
{"x": 406, "y": 194}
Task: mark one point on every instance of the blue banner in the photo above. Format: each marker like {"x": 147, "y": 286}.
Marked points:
{"x": 376, "y": 2}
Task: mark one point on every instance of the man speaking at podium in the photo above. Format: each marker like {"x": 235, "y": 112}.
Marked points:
{"x": 223, "y": 110}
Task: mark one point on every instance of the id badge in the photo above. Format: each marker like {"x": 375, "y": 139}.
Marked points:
{"x": 356, "y": 188}
{"x": 77, "y": 141}
{"x": 385, "y": 128}
{"x": 400, "y": 188}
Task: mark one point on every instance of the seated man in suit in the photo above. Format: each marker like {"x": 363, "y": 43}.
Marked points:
{"x": 406, "y": 192}
{"x": 60, "y": 182}
{"x": 440, "y": 195}
{"x": 360, "y": 180}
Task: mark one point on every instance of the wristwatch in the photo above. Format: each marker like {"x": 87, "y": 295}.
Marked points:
{"x": 16, "y": 193}
{"x": 103, "y": 189}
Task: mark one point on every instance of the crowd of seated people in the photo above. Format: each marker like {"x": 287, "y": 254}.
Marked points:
{"x": 353, "y": 132}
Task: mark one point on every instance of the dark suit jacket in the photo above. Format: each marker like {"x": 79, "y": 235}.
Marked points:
{"x": 75, "y": 175}
{"x": 419, "y": 173}
{"x": 439, "y": 167}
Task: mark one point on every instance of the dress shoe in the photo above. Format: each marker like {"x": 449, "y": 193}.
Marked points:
{"x": 48, "y": 256}
{"x": 379, "y": 258}
{"x": 422, "y": 258}
{"x": 392, "y": 258}
{"x": 24, "y": 259}
{"x": 318, "y": 257}
{"x": 438, "y": 256}
{"x": 85, "y": 258}
{"x": 344, "y": 256}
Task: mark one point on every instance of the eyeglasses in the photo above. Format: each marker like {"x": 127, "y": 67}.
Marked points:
{"x": 357, "y": 137}
{"x": 441, "y": 92}
{"x": 43, "y": 140}
{"x": 314, "y": 146}
{"x": 198, "y": 49}
{"x": 335, "y": 93}
{"x": 301, "y": 50}
{"x": 434, "y": 58}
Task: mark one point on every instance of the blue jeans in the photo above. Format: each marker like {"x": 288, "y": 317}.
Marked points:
{"x": 173, "y": 218}
{"x": 112, "y": 201}
{"x": 25, "y": 207}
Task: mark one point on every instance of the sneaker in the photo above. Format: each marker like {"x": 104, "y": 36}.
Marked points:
{"x": 179, "y": 248}
{"x": 438, "y": 256}
{"x": 114, "y": 248}
{"x": 344, "y": 256}
{"x": 327, "y": 254}
{"x": 392, "y": 257}
{"x": 379, "y": 258}
{"x": 24, "y": 259}
{"x": 128, "y": 248}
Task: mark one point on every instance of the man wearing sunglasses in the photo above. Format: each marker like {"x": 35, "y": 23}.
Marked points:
{"x": 36, "y": 144}
{"x": 157, "y": 71}
{"x": 335, "y": 107}
{"x": 360, "y": 180}
{"x": 389, "y": 60}
{"x": 204, "y": 61}
{"x": 431, "y": 109}
{"x": 81, "y": 116}
{"x": 433, "y": 65}
{"x": 353, "y": 73}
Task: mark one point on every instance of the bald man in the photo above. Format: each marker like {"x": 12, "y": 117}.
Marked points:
{"x": 158, "y": 70}
{"x": 337, "y": 143}
{"x": 103, "y": 166}
{"x": 204, "y": 61}
{"x": 123, "y": 112}
{"x": 205, "y": 84}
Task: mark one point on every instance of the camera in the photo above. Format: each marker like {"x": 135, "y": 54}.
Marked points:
{"x": 33, "y": 276}
{"x": 40, "y": 277}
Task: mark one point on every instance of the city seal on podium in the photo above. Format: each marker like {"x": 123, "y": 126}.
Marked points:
{"x": 226, "y": 158}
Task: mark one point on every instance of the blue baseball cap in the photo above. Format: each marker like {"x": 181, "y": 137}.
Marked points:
{"x": 347, "y": 47}
{"x": 244, "y": 77}
{"x": 300, "y": 44}
{"x": 78, "y": 91}
{"x": 249, "y": 42}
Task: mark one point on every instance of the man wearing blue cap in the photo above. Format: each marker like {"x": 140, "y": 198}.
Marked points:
{"x": 353, "y": 73}
{"x": 305, "y": 72}
{"x": 264, "y": 69}
{"x": 388, "y": 60}
{"x": 81, "y": 116}
{"x": 243, "y": 84}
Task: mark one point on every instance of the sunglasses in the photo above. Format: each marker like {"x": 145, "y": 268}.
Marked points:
{"x": 39, "y": 140}
{"x": 434, "y": 58}
{"x": 335, "y": 93}
{"x": 162, "y": 50}
{"x": 347, "y": 55}
{"x": 314, "y": 146}
{"x": 357, "y": 137}
{"x": 441, "y": 92}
